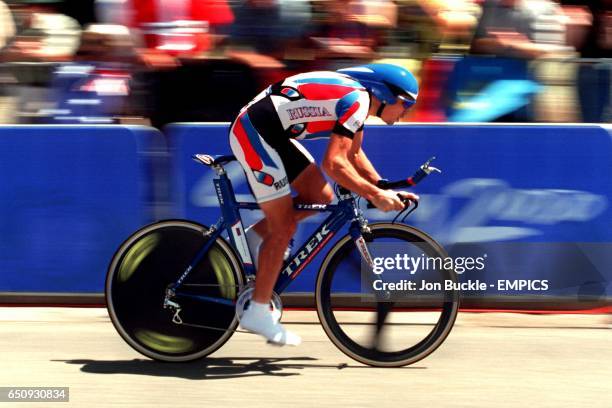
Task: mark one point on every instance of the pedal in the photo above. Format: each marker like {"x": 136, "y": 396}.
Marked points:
{"x": 244, "y": 298}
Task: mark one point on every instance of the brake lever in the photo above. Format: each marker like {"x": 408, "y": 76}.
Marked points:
{"x": 406, "y": 200}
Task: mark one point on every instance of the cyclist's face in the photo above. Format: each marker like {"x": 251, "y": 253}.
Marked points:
{"x": 393, "y": 113}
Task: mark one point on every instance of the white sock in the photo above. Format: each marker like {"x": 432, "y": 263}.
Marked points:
{"x": 259, "y": 309}
{"x": 258, "y": 319}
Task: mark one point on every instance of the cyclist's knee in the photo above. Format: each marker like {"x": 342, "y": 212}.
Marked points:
{"x": 280, "y": 219}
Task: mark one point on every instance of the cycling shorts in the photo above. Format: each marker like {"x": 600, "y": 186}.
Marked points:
{"x": 271, "y": 162}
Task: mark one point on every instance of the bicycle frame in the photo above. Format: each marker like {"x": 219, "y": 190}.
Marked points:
{"x": 231, "y": 221}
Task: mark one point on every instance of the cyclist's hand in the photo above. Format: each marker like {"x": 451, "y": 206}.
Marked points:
{"x": 387, "y": 200}
{"x": 410, "y": 196}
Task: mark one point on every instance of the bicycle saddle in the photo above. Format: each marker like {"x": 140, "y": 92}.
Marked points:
{"x": 210, "y": 161}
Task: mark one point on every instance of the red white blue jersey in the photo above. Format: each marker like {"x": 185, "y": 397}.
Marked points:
{"x": 310, "y": 106}
{"x": 305, "y": 106}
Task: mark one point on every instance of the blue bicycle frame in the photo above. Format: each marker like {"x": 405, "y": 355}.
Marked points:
{"x": 344, "y": 211}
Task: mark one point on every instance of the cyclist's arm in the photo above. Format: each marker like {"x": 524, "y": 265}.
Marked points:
{"x": 338, "y": 165}
{"x": 361, "y": 162}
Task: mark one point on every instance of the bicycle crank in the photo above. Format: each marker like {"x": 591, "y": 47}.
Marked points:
{"x": 244, "y": 298}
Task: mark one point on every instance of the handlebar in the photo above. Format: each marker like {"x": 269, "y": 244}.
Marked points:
{"x": 423, "y": 171}
{"x": 407, "y": 201}
{"x": 406, "y": 211}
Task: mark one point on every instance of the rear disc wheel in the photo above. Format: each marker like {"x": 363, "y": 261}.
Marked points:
{"x": 139, "y": 274}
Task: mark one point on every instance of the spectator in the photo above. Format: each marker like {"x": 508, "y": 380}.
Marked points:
{"x": 504, "y": 88}
{"x": 98, "y": 87}
{"x": 44, "y": 33}
{"x": 114, "y": 12}
{"x": 268, "y": 38}
{"x": 270, "y": 26}
{"x": 594, "y": 81}
{"x": 429, "y": 27}
{"x": 7, "y": 32}
{"x": 350, "y": 30}
{"x": 7, "y": 26}
{"x": 44, "y": 38}
{"x": 379, "y": 17}
{"x": 523, "y": 29}
{"x": 180, "y": 27}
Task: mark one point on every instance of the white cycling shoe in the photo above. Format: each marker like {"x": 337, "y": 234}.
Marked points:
{"x": 259, "y": 320}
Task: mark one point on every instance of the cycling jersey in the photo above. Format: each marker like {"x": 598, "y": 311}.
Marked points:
{"x": 302, "y": 107}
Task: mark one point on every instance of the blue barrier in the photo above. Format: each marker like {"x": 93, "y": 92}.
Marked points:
{"x": 69, "y": 195}
{"x": 534, "y": 199}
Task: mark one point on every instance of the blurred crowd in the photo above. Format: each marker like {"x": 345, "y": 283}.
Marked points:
{"x": 162, "y": 61}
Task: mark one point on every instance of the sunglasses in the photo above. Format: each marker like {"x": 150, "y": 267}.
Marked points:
{"x": 407, "y": 100}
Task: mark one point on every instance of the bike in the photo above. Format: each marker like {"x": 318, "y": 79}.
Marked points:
{"x": 175, "y": 289}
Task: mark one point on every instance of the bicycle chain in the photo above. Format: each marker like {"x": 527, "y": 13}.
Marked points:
{"x": 176, "y": 319}
{"x": 212, "y": 328}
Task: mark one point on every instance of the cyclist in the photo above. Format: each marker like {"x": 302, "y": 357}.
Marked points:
{"x": 264, "y": 138}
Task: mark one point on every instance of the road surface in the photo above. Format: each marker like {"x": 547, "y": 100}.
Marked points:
{"x": 489, "y": 360}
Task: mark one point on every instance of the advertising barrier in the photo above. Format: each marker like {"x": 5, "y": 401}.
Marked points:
{"x": 69, "y": 195}
{"x": 531, "y": 203}
{"x": 532, "y": 200}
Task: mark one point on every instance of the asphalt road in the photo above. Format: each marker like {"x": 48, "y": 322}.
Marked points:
{"x": 489, "y": 360}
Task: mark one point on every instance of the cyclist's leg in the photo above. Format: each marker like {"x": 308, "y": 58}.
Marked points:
{"x": 264, "y": 168}
{"x": 305, "y": 177}
{"x": 311, "y": 188}
{"x": 268, "y": 180}
{"x": 280, "y": 222}
{"x": 280, "y": 228}
{"x": 306, "y": 180}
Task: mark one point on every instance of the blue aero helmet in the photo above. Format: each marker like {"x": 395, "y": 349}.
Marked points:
{"x": 387, "y": 82}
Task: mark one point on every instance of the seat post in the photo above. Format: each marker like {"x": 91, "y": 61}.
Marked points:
{"x": 224, "y": 188}
{"x": 219, "y": 170}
